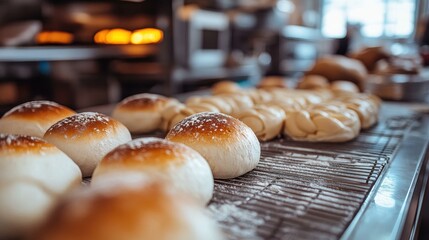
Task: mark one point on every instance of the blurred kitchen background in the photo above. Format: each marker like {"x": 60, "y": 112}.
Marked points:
{"x": 85, "y": 53}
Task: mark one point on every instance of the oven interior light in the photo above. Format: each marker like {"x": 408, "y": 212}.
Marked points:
{"x": 54, "y": 37}
{"x": 122, "y": 36}
{"x": 118, "y": 36}
{"x": 146, "y": 36}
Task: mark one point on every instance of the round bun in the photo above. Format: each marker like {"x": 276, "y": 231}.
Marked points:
{"x": 180, "y": 165}
{"x": 134, "y": 209}
{"x": 313, "y": 82}
{"x": 345, "y": 86}
{"x": 33, "y": 173}
{"x": 33, "y": 118}
{"x": 340, "y": 68}
{"x": 225, "y": 87}
{"x": 141, "y": 113}
{"x": 230, "y": 147}
{"x": 272, "y": 82}
{"x": 87, "y": 137}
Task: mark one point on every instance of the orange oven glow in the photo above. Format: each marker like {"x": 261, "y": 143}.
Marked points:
{"x": 54, "y": 37}
{"x": 122, "y": 36}
{"x": 146, "y": 36}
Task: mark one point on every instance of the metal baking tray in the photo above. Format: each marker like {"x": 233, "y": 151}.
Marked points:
{"x": 401, "y": 87}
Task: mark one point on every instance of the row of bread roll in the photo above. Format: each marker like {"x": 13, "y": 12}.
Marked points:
{"x": 87, "y": 137}
{"x": 320, "y": 82}
{"x": 33, "y": 175}
{"x": 84, "y": 137}
{"x": 333, "y": 121}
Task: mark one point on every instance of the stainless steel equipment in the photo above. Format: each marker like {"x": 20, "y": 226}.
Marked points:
{"x": 402, "y": 87}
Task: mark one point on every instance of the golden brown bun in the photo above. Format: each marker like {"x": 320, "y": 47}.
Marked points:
{"x": 370, "y": 56}
{"x": 87, "y": 137}
{"x": 141, "y": 113}
{"x": 230, "y": 147}
{"x": 134, "y": 209}
{"x": 272, "y": 82}
{"x": 33, "y": 118}
{"x": 313, "y": 82}
{"x": 340, "y": 68}
{"x": 225, "y": 87}
{"x": 33, "y": 174}
{"x": 180, "y": 165}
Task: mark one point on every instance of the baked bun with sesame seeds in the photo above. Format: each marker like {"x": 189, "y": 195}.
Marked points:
{"x": 230, "y": 147}
{"x": 33, "y": 118}
{"x": 87, "y": 137}
{"x": 141, "y": 113}
{"x": 130, "y": 207}
{"x": 180, "y": 165}
{"x": 33, "y": 174}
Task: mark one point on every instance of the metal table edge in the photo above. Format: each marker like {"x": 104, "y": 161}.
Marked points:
{"x": 384, "y": 212}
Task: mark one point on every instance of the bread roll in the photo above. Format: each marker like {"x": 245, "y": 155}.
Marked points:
{"x": 239, "y": 103}
{"x": 230, "y": 147}
{"x": 322, "y": 123}
{"x": 340, "y": 68}
{"x": 287, "y": 104}
{"x": 303, "y": 97}
{"x": 259, "y": 96}
{"x": 265, "y": 121}
{"x": 141, "y": 113}
{"x": 344, "y": 86}
{"x": 223, "y": 105}
{"x": 313, "y": 82}
{"x": 370, "y": 56}
{"x": 180, "y": 165}
{"x": 365, "y": 105}
{"x": 174, "y": 114}
{"x": 33, "y": 174}
{"x": 272, "y": 82}
{"x": 33, "y": 118}
{"x": 366, "y": 110}
{"x": 132, "y": 209}
{"x": 87, "y": 137}
{"x": 203, "y": 107}
{"x": 225, "y": 87}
